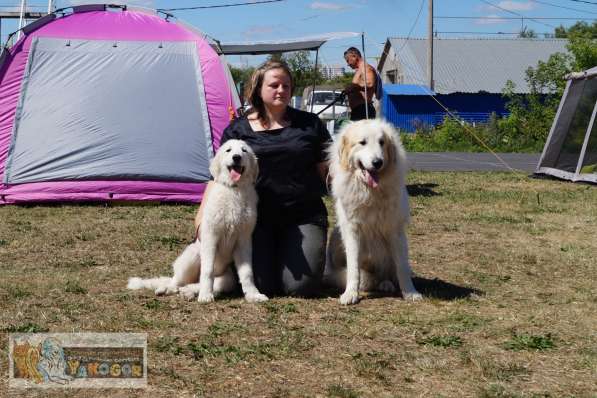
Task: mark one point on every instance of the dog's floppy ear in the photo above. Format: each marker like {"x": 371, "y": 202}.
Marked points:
{"x": 344, "y": 150}
{"x": 215, "y": 166}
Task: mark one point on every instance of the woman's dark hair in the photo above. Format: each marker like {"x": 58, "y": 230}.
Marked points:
{"x": 253, "y": 93}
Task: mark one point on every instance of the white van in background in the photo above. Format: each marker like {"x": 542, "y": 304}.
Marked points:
{"x": 319, "y": 100}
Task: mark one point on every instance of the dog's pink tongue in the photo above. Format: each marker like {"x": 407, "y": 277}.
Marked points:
{"x": 372, "y": 179}
{"x": 234, "y": 175}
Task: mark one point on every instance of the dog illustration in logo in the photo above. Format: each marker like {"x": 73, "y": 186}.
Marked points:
{"x": 52, "y": 365}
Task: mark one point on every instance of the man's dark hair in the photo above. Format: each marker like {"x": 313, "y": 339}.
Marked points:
{"x": 353, "y": 50}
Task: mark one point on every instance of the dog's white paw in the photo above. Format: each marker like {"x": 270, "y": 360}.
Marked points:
{"x": 412, "y": 296}
{"x": 386, "y": 287}
{"x": 255, "y": 297}
{"x": 205, "y": 297}
{"x": 349, "y": 297}
{"x": 187, "y": 293}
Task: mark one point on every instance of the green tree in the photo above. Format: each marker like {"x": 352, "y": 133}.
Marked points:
{"x": 527, "y": 33}
{"x": 578, "y": 28}
{"x": 531, "y": 115}
{"x": 341, "y": 81}
{"x": 583, "y": 47}
{"x": 241, "y": 77}
{"x": 303, "y": 71}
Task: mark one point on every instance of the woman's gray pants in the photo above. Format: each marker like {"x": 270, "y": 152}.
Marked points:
{"x": 289, "y": 259}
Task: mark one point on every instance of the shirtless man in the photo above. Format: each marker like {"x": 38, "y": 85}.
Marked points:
{"x": 356, "y": 90}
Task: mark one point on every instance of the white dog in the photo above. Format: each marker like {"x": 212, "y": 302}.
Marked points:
{"x": 368, "y": 249}
{"x": 227, "y": 224}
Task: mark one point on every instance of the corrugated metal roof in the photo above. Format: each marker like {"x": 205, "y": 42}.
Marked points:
{"x": 473, "y": 65}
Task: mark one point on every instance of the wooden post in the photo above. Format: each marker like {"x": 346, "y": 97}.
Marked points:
{"x": 430, "y": 47}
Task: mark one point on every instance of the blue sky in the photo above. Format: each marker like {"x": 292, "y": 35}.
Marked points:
{"x": 377, "y": 18}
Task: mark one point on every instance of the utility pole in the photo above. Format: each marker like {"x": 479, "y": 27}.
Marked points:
{"x": 430, "y": 47}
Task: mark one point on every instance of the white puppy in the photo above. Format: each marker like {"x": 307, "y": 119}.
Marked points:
{"x": 227, "y": 224}
{"x": 368, "y": 249}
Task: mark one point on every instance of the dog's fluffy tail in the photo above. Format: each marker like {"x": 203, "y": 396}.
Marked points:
{"x": 150, "y": 283}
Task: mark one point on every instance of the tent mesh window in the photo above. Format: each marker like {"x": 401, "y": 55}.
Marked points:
{"x": 92, "y": 109}
{"x": 571, "y": 127}
{"x": 583, "y": 99}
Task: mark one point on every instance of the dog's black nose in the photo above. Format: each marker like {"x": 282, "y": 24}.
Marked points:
{"x": 236, "y": 158}
{"x": 377, "y": 163}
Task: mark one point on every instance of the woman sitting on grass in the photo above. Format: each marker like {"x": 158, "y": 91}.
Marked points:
{"x": 290, "y": 236}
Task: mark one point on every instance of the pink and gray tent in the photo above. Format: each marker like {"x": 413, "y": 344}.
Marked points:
{"x": 106, "y": 103}
{"x": 570, "y": 152}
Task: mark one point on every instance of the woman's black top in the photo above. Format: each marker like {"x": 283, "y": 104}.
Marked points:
{"x": 289, "y": 185}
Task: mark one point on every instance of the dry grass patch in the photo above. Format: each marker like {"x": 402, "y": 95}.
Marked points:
{"x": 507, "y": 265}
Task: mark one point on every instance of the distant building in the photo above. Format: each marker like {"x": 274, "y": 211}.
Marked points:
{"x": 469, "y": 76}
{"x": 331, "y": 71}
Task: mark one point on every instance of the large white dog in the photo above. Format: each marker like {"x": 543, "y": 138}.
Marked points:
{"x": 368, "y": 249}
{"x": 227, "y": 224}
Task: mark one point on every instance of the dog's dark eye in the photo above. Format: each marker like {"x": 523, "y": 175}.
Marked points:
{"x": 229, "y": 149}
{"x": 381, "y": 142}
{"x": 363, "y": 142}
{"x": 244, "y": 149}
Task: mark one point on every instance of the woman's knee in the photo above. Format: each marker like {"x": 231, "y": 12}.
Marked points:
{"x": 304, "y": 261}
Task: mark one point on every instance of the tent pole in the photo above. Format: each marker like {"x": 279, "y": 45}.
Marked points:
{"x": 21, "y": 18}
{"x": 365, "y": 74}
{"x": 314, "y": 79}
{"x": 581, "y": 158}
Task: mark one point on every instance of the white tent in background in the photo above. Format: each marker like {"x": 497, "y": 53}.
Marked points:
{"x": 571, "y": 148}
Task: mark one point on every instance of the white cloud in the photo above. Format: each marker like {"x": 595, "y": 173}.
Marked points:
{"x": 318, "y": 5}
{"x": 517, "y": 5}
{"x": 491, "y": 20}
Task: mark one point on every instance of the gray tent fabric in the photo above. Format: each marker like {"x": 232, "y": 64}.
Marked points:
{"x": 309, "y": 43}
{"x": 83, "y": 106}
{"x": 571, "y": 148}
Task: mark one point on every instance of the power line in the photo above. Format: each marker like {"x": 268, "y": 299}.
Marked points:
{"x": 221, "y": 5}
{"x": 514, "y": 18}
{"x": 564, "y": 7}
{"x": 547, "y": 35}
{"x": 411, "y": 28}
{"x": 485, "y": 33}
{"x": 516, "y": 13}
{"x": 584, "y": 1}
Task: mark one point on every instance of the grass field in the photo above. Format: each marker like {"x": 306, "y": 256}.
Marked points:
{"x": 507, "y": 264}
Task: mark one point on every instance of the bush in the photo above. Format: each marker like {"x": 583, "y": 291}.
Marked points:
{"x": 530, "y": 117}
{"x": 508, "y": 134}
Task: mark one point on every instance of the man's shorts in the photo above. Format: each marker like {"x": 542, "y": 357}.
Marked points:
{"x": 358, "y": 113}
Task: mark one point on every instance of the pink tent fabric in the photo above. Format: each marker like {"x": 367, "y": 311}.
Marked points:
{"x": 109, "y": 25}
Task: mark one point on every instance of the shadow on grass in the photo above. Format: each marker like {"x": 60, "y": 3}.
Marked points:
{"x": 429, "y": 288}
{"x": 436, "y": 288}
{"x": 422, "y": 190}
